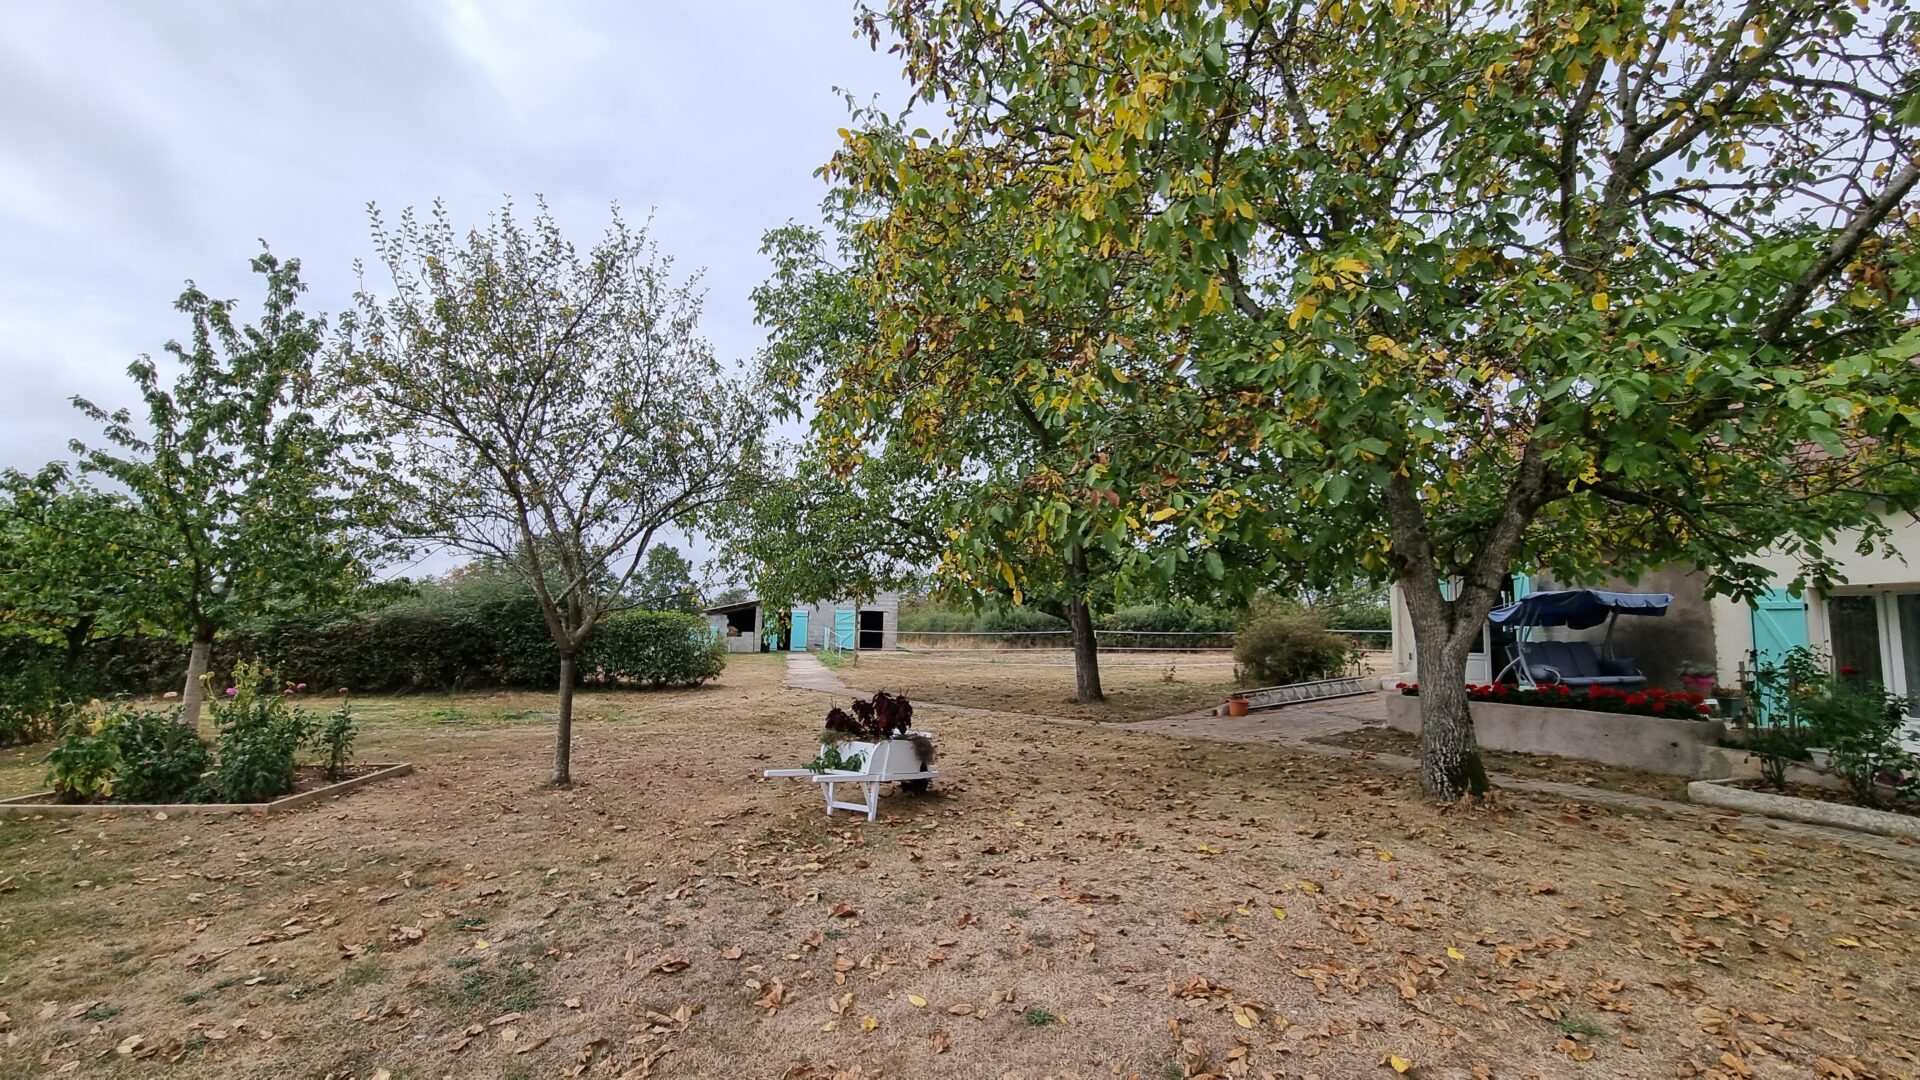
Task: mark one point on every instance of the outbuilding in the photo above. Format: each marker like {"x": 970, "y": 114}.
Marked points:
{"x": 747, "y": 626}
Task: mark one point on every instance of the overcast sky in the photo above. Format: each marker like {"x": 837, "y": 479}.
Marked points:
{"x": 145, "y": 142}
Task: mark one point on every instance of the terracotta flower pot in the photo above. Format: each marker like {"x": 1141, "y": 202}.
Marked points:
{"x": 1236, "y": 706}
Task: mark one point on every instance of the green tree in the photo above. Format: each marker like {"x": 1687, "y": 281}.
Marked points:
{"x": 76, "y": 564}
{"x": 1013, "y": 440}
{"x": 665, "y": 581}
{"x": 809, "y": 532}
{"x": 236, "y": 470}
{"x": 548, "y": 409}
{"x": 1584, "y": 286}
{"x": 732, "y": 594}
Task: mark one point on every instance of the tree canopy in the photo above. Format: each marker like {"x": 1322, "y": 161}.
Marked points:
{"x": 543, "y": 407}
{"x": 1021, "y": 443}
{"x": 76, "y": 563}
{"x": 665, "y": 581}
{"x": 1588, "y": 287}
{"x": 236, "y": 471}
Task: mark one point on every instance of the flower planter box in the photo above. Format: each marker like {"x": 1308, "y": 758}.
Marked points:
{"x": 41, "y": 804}
{"x": 1648, "y": 743}
{"x": 1723, "y": 794}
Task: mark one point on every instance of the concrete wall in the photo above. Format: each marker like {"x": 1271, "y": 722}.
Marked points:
{"x": 744, "y": 643}
{"x": 1648, "y": 743}
{"x": 1660, "y": 644}
{"x": 820, "y": 619}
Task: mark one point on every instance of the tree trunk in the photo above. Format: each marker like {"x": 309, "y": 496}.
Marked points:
{"x": 1086, "y": 652}
{"x": 1450, "y": 766}
{"x": 192, "y": 693}
{"x": 563, "y": 735}
{"x": 77, "y": 635}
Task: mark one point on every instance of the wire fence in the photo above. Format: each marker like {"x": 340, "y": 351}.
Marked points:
{"x": 1184, "y": 650}
{"x": 1107, "y": 640}
{"x": 1366, "y": 640}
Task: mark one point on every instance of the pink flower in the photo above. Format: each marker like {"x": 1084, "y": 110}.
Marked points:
{"x": 299, "y": 686}
{"x": 232, "y": 691}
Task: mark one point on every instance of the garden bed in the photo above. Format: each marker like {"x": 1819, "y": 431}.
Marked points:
{"x": 310, "y": 786}
{"x": 1815, "y": 806}
{"x": 1654, "y": 744}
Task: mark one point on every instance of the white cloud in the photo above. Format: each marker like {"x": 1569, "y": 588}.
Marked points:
{"x": 146, "y": 144}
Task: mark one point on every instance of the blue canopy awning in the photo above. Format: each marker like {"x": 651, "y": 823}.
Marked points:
{"x": 1578, "y": 608}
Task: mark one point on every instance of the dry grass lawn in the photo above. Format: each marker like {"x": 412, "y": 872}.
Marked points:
{"x": 1529, "y": 766}
{"x": 1074, "y": 901}
{"x": 1138, "y": 686}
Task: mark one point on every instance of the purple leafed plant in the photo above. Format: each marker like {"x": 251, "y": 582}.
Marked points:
{"x": 885, "y": 716}
{"x": 892, "y": 714}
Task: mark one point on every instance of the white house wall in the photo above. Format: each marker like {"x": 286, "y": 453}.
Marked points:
{"x": 1725, "y": 634}
{"x": 1733, "y": 621}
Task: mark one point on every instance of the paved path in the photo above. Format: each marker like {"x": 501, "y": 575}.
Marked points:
{"x": 804, "y": 672}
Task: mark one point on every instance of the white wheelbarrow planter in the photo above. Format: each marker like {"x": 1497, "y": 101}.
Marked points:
{"x": 885, "y": 762}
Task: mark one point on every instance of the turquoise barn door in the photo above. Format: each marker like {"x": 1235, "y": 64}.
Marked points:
{"x": 798, "y": 641}
{"x": 843, "y": 621}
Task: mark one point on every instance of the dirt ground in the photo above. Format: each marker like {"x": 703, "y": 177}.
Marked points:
{"x": 1531, "y": 766}
{"x": 1138, "y": 686}
{"x": 1071, "y": 900}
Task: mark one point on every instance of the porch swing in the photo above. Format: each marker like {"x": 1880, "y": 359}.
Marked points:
{"x": 1573, "y": 663}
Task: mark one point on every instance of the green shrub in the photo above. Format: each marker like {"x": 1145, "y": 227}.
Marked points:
{"x": 1020, "y": 625}
{"x": 479, "y": 630}
{"x": 651, "y": 648}
{"x": 336, "y": 740}
{"x": 1861, "y": 729}
{"x": 1178, "y": 625}
{"x": 33, "y": 701}
{"x": 83, "y": 764}
{"x": 161, "y": 759}
{"x": 261, "y": 733}
{"x": 1278, "y": 644}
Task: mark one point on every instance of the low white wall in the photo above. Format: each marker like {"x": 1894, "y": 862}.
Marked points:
{"x": 1648, "y": 743}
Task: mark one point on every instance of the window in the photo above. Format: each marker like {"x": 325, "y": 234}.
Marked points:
{"x": 1854, "y": 625}
{"x": 1875, "y": 640}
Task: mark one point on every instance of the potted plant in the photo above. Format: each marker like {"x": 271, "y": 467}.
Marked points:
{"x": 1698, "y": 676}
{"x": 1733, "y": 702}
{"x": 1236, "y": 704}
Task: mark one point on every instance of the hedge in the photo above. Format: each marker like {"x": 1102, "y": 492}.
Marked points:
{"x": 652, "y": 648}
{"x": 501, "y": 642}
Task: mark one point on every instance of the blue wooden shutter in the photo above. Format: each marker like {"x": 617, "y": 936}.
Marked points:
{"x": 1779, "y": 624}
{"x": 798, "y": 641}
{"x": 843, "y": 624}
